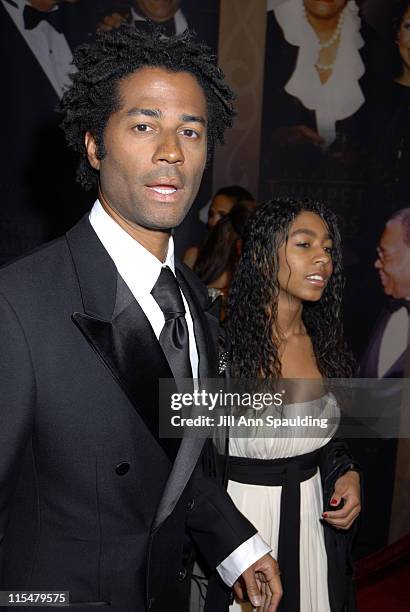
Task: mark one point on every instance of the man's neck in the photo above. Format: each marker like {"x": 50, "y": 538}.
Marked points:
{"x": 155, "y": 241}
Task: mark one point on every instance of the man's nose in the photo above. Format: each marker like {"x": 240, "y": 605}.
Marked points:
{"x": 169, "y": 149}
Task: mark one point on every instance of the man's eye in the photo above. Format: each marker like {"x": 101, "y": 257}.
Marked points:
{"x": 304, "y": 245}
{"x": 190, "y": 133}
{"x": 142, "y": 127}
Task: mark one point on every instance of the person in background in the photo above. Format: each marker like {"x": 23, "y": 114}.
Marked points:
{"x": 164, "y": 13}
{"x": 384, "y": 356}
{"x": 37, "y": 39}
{"x": 51, "y": 29}
{"x": 221, "y": 250}
{"x": 393, "y": 159}
{"x": 324, "y": 67}
{"x": 401, "y": 32}
{"x": 221, "y": 205}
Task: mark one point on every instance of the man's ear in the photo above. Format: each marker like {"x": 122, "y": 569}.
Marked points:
{"x": 91, "y": 147}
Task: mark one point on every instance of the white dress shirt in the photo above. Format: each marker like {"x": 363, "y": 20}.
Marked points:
{"x": 140, "y": 271}
{"x": 49, "y": 47}
{"x": 394, "y": 340}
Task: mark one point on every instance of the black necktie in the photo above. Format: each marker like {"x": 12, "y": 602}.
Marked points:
{"x": 32, "y": 18}
{"x": 174, "y": 338}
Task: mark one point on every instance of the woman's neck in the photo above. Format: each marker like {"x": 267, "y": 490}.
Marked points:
{"x": 324, "y": 28}
{"x": 290, "y": 321}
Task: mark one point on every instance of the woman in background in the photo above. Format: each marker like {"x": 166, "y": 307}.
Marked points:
{"x": 285, "y": 322}
{"x": 219, "y": 254}
{"x": 394, "y": 151}
{"x": 224, "y": 200}
{"x": 326, "y": 73}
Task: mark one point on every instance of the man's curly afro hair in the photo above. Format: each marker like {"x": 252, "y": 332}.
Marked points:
{"x": 93, "y": 95}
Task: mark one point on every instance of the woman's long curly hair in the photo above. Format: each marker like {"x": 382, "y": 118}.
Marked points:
{"x": 253, "y": 301}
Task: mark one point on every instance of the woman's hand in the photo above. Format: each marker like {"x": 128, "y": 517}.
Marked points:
{"x": 348, "y": 488}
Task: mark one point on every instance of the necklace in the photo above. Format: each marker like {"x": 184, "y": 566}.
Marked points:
{"x": 336, "y": 34}
{"x": 325, "y": 66}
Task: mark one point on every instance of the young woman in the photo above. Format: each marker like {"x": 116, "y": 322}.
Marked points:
{"x": 285, "y": 322}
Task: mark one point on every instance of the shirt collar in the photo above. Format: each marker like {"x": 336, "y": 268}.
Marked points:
{"x": 138, "y": 267}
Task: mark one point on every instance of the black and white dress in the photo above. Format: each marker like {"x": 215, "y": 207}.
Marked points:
{"x": 262, "y": 504}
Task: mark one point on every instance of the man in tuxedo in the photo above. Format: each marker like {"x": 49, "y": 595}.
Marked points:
{"x": 145, "y": 13}
{"x": 36, "y": 40}
{"x": 41, "y": 23}
{"x": 172, "y": 16}
{"x": 92, "y": 500}
{"x": 384, "y": 357}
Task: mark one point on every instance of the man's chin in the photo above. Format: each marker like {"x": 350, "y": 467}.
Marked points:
{"x": 163, "y": 225}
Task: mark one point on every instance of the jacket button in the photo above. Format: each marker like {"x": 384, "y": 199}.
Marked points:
{"x": 190, "y": 505}
{"x": 151, "y": 602}
{"x": 122, "y": 468}
{"x": 182, "y": 574}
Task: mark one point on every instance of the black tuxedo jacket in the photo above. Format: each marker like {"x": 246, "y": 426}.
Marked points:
{"x": 377, "y": 452}
{"x": 89, "y": 500}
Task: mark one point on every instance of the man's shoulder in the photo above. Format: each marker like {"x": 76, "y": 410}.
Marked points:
{"x": 31, "y": 271}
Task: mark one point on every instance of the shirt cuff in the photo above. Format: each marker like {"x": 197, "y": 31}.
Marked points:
{"x": 241, "y": 558}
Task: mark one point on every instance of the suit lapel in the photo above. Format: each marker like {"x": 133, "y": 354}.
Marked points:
{"x": 116, "y": 327}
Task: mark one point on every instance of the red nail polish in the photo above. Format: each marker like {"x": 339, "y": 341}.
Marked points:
{"x": 324, "y": 515}
{"x": 333, "y": 502}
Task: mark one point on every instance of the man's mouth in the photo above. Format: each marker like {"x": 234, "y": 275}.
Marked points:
{"x": 165, "y": 189}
